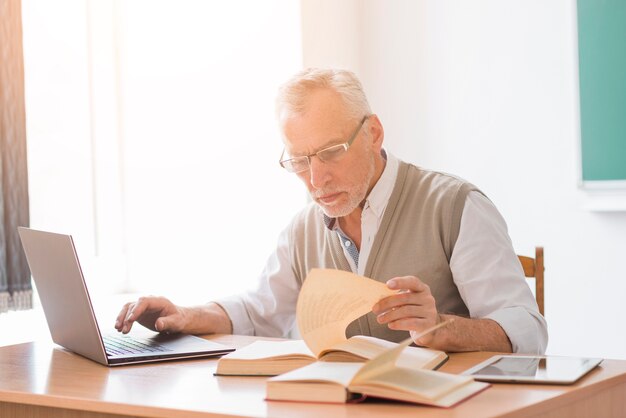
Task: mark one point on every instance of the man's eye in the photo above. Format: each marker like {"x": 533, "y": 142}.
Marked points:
{"x": 331, "y": 153}
{"x": 297, "y": 162}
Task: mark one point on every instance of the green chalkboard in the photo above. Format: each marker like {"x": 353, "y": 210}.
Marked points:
{"x": 602, "y": 74}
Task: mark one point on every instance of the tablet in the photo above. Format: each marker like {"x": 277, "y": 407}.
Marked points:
{"x": 533, "y": 369}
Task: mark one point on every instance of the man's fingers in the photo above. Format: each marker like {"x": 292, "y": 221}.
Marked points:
{"x": 411, "y": 283}
{"x": 119, "y": 321}
{"x": 161, "y": 325}
{"x": 409, "y": 324}
{"x": 405, "y": 298}
{"x": 138, "y": 308}
{"x": 395, "y": 301}
{"x": 404, "y": 311}
{"x": 133, "y": 312}
{"x": 155, "y": 313}
{"x": 127, "y": 322}
{"x": 167, "y": 324}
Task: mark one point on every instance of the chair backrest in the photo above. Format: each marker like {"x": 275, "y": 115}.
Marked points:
{"x": 533, "y": 267}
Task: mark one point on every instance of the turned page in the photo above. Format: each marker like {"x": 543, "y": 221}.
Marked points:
{"x": 329, "y": 301}
{"x": 386, "y": 361}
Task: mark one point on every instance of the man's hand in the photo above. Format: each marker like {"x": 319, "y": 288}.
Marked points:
{"x": 413, "y": 309}
{"x": 155, "y": 313}
{"x": 159, "y": 314}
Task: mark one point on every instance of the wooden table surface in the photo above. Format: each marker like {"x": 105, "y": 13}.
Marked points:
{"x": 41, "y": 379}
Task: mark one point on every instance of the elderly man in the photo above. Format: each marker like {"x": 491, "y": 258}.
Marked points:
{"x": 433, "y": 237}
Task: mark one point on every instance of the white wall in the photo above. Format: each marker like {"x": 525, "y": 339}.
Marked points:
{"x": 488, "y": 90}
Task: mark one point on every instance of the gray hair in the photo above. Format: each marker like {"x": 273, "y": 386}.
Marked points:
{"x": 292, "y": 96}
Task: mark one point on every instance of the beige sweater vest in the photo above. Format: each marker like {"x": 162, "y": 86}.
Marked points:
{"x": 416, "y": 237}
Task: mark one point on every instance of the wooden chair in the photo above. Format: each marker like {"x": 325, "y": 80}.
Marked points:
{"x": 533, "y": 267}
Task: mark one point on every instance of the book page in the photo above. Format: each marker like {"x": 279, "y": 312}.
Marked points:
{"x": 386, "y": 361}
{"x": 427, "y": 384}
{"x": 270, "y": 349}
{"x": 381, "y": 363}
{"x": 363, "y": 347}
{"x": 340, "y": 373}
{"x": 330, "y": 300}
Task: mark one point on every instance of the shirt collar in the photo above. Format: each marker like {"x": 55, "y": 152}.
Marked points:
{"x": 377, "y": 200}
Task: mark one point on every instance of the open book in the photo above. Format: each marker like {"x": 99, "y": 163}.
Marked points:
{"x": 328, "y": 302}
{"x": 380, "y": 377}
{"x": 270, "y": 358}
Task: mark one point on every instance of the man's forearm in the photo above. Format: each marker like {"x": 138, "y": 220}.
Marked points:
{"x": 465, "y": 334}
{"x": 207, "y": 319}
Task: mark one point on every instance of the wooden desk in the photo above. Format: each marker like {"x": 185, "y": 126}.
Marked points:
{"x": 43, "y": 380}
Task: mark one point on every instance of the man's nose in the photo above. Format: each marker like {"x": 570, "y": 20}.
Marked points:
{"x": 318, "y": 172}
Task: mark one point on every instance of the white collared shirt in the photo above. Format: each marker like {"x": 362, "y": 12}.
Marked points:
{"x": 371, "y": 216}
{"x": 492, "y": 286}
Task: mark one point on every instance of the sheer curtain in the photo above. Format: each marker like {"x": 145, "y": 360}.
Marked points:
{"x": 15, "y": 285}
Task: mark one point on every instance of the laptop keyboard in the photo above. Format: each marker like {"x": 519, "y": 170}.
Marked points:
{"x": 124, "y": 344}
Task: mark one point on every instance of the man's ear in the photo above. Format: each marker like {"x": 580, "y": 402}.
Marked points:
{"x": 376, "y": 131}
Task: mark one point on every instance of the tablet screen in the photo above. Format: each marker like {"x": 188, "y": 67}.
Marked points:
{"x": 540, "y": 369}
{"x": 515, "y": 366}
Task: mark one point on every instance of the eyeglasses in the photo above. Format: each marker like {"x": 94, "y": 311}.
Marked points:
{"x": 327, "y": 155}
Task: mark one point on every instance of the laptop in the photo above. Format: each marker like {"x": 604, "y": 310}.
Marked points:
{"x": 65, "y": 300}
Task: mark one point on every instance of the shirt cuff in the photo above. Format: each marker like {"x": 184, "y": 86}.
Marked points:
{"x": 527, "y": 332}
{"x": 235, "y": 308}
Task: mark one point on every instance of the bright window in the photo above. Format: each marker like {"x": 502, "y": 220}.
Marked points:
{"x": 152, "y": 138}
